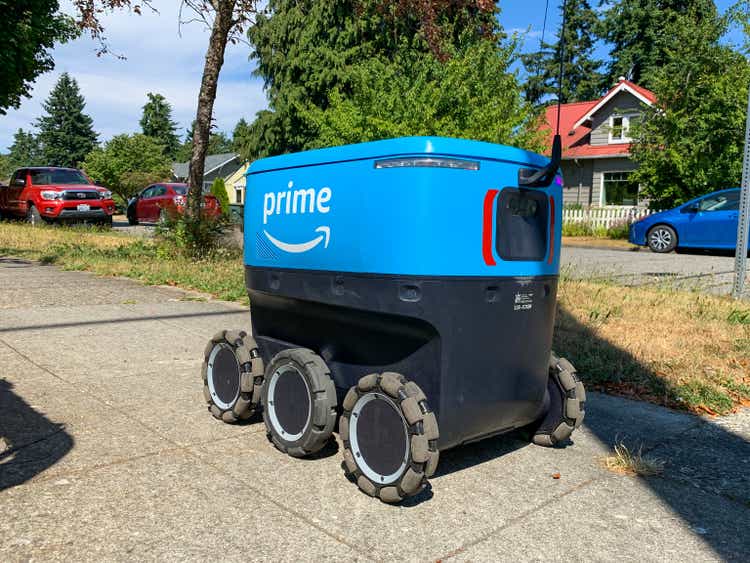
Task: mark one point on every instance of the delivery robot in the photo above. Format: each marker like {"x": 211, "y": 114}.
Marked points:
{"x": 403, "y": 291}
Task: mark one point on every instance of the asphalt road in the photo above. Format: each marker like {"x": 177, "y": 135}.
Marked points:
{"x": 696, "y": 271}
{"x": 107, "y": 453}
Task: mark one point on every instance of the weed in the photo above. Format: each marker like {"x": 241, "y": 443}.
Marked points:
{"x": 626, "y": 462}
{"x": 739, "y": 317}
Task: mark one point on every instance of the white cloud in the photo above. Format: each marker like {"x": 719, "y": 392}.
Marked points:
{"x": 158, "y": 59}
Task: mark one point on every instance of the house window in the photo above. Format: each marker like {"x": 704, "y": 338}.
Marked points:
{"x": 619, "y": 189}
{"x": 620, "y": 126}
{"x": 238, "y": 194}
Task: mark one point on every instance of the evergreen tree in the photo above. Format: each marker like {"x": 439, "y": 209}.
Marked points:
{"x": 25, "y": 150}
{"x": 65, "y": 132}
{"x": 636, "y": 32}
{"x": 581, "y": 77}
{"x": 306, "y": 49}
{"x": 219, "y": 190}
{"x": 157, "y": 122}
{"x": 241, "y": 135}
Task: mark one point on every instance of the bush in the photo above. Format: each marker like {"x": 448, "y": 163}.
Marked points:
{"x": 197, "y": 238}
{"x": 219, "y": 190}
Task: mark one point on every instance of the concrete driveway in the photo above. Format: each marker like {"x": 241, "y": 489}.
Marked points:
{"x": 107, "y": 453}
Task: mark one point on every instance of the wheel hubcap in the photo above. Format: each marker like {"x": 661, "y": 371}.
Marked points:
{"x": 223, "y": 376}
{"x": 379, "y": 438}
{"x": 661, "y": 239}
{"x": 288, "y": 402}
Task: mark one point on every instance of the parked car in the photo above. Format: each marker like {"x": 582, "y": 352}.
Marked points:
{"x": 159, "y": 201}
{"x": 709, "y": 221}
{"x": 48, "y": 194}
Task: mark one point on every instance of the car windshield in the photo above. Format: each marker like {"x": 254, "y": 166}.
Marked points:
{"x": 180, "y": 190}
{"x": 49, "y": 176}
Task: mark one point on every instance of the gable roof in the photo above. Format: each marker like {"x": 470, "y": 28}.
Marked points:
{"x": 644, "y": 96}
{"x": 213, "y": 161}
{"x": 575, "y": 121}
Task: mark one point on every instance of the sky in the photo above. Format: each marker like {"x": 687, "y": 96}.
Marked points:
{"x": 159, "y": 59}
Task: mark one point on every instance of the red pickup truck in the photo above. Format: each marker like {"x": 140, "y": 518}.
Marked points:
{"x": 47, "y": 194}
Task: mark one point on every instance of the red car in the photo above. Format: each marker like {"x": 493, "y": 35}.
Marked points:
{"x": 48, "y": 194}
{"x": 159, "y": 201}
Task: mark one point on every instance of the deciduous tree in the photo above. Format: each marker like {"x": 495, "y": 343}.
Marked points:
{"x": 128, "y": 163}
{"x": 692, "y": 141}
{"x": 30, "y": 30}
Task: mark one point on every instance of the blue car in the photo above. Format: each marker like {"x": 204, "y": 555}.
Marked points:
{"x": 709, "y": 221}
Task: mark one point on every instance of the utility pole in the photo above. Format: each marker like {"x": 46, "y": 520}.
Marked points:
{"x": 740, "y": 263}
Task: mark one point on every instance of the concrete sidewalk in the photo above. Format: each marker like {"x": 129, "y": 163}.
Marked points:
{"x": 107, "y": 453}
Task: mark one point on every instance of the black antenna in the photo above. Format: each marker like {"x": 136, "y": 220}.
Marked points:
{"x": 543, "y": 178}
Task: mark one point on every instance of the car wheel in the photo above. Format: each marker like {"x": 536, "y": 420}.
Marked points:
{"x": 662, "y": 239}
{"x": 33, "y": 216}
{"x": 106, "y": 223}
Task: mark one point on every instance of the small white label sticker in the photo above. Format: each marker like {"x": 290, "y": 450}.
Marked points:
{"x": 523, "y": 302}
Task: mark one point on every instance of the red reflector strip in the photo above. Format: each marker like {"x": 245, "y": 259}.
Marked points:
{"x": 551, "y": 230}
{"x": 489, "y": 200}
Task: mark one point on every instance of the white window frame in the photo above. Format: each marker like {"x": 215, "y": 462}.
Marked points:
{"x": 239, "y": 189}
{"x": 603, "y": 195}
{"x": 626, "y": 117}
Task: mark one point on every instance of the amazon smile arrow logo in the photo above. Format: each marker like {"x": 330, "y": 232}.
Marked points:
{"x": 303, "y": 246}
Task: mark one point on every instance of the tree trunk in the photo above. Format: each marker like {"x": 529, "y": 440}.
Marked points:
{"x": 214, "y": 60}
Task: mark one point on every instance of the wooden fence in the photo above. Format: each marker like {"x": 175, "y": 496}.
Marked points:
{"x": 605, "y": 216}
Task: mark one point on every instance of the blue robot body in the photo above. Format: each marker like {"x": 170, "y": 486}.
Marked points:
{"x": 419, "y": 255}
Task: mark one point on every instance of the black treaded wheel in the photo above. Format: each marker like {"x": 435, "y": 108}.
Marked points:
{"x": 567, "y": 404}
{"x": 390, "y": 437}
{"x": 299, "y": 402}
{"x": 232, "y": 376}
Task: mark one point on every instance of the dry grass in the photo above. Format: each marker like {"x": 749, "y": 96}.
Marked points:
{"x": 676, "y": 348}
{"x": 598, "y": 242}
{"x": 627, "y": 462}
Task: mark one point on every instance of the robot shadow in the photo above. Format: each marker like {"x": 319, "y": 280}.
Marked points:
{"x": 30, "y": 443}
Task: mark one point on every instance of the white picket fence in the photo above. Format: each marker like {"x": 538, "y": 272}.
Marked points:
{"x": 605, "y": 216}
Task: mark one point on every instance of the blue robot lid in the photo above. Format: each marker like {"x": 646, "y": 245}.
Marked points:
{"x": 442, "y": 146}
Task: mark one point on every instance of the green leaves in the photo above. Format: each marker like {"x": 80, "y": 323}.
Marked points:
{"x": 472, "y": 95}
{"x": 128, "y": 163}
{"x": 30, "y": 30}
{"x": 351, "y": 70}
{"x": 692, "y": 142}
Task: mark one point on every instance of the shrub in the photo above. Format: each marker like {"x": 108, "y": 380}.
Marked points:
{"x": 197, "y": 238}
{"x": 219, "y": 190}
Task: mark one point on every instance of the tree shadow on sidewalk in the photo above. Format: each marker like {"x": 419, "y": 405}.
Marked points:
{"x": 706, "y": 480}
{"x": 30, "y": 443}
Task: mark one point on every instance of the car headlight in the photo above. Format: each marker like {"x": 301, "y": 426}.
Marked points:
{"x": 105, "y": 194}
{"x": 51, "y": 195}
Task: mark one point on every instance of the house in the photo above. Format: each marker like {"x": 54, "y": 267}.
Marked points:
{"x": 216, "y": 166}
{"x": 235, "y": 184}
{"x": 596, "y": 144}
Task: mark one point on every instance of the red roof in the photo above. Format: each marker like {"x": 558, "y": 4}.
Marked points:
{"x": 575, "y": 126}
